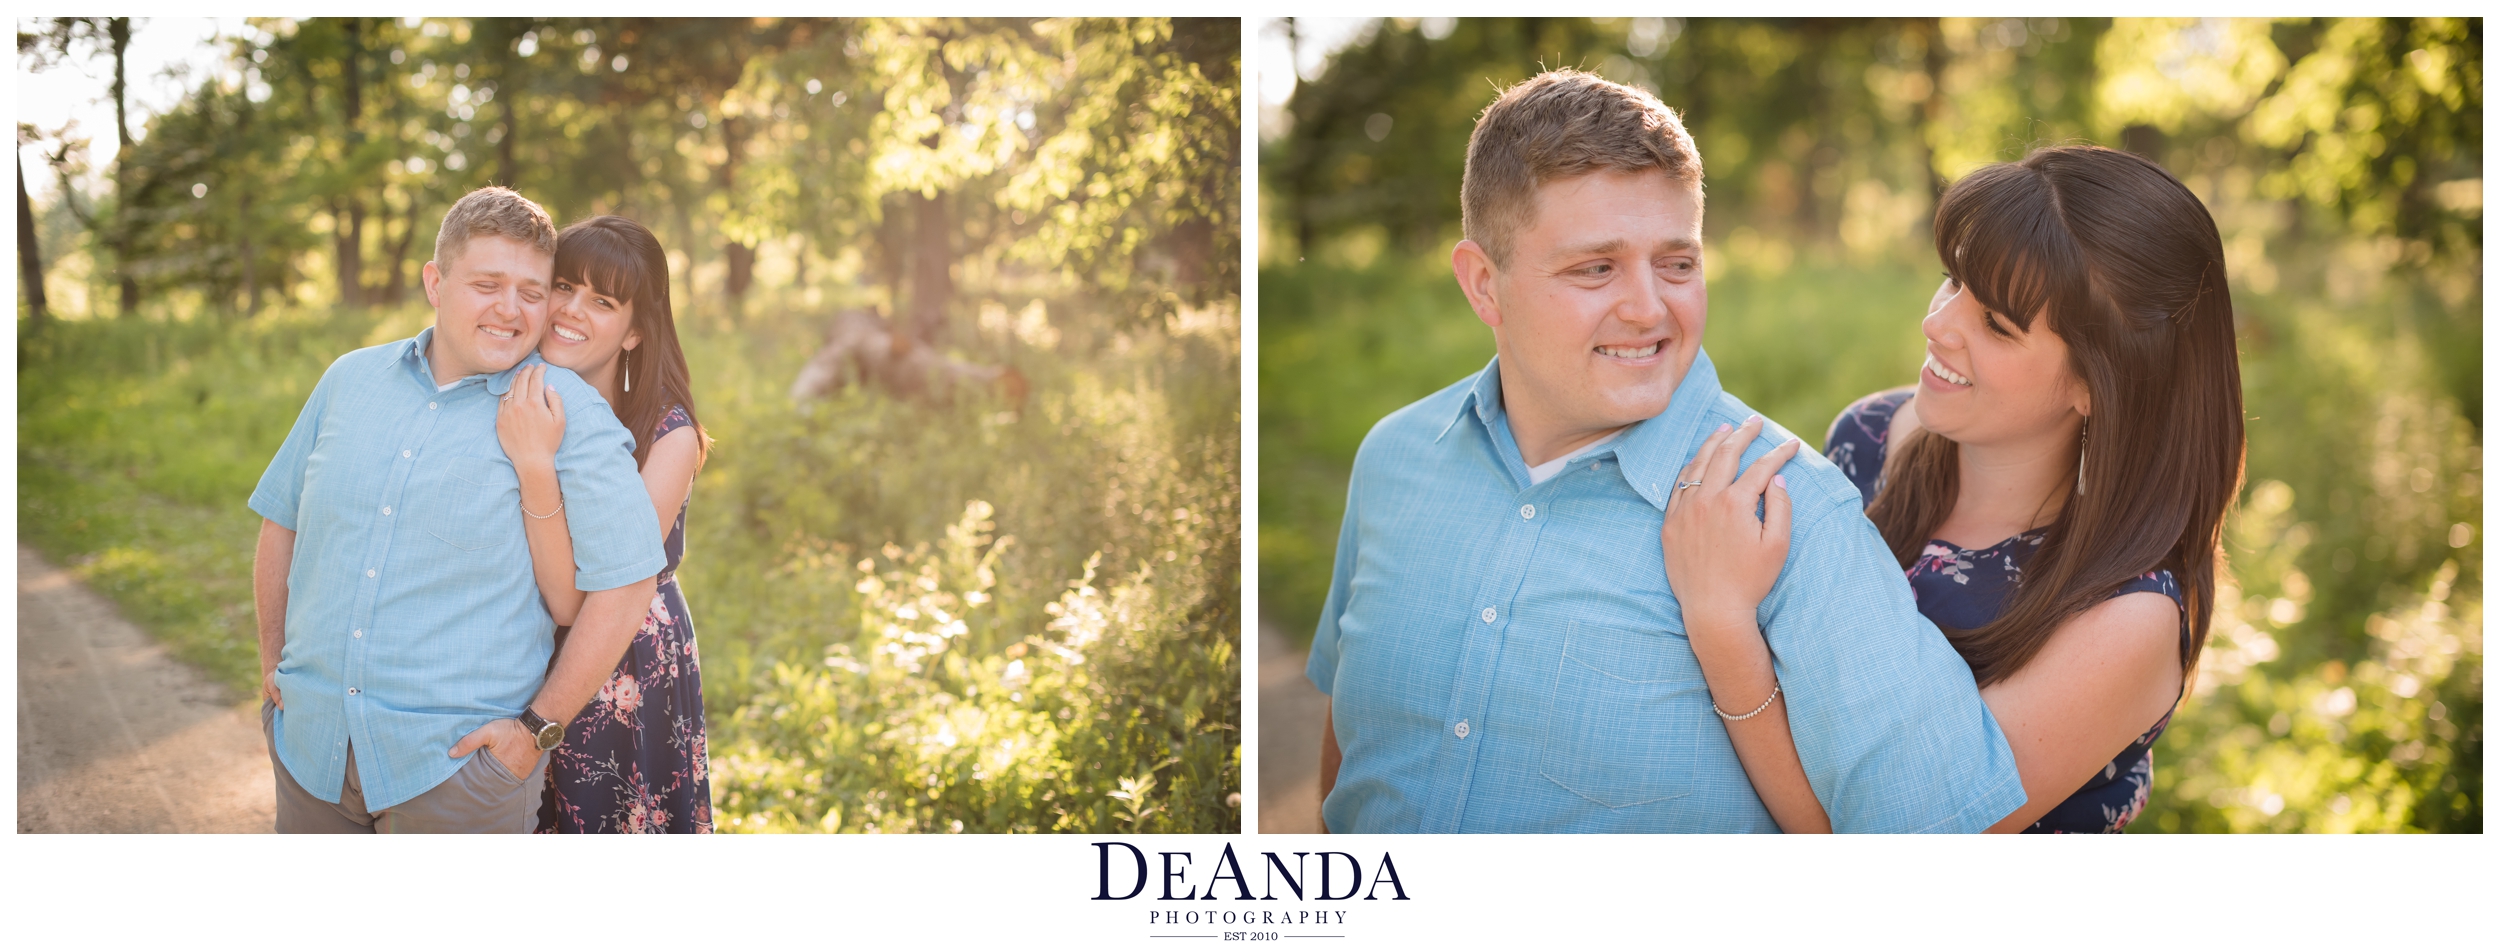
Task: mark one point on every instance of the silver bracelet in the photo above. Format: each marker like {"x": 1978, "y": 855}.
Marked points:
{"x": 525, "y": 510}
{"x": 1757, "y": 711}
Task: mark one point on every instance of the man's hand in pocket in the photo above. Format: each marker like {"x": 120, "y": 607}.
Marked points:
{"x": 506, "y": 741}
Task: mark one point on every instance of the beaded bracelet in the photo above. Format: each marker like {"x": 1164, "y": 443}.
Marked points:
{"x": 1757, "y": 711}
{"x": 525, "y": 510}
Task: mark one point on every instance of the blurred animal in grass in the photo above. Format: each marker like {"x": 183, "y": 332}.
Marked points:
{"x": 862, "y": 348}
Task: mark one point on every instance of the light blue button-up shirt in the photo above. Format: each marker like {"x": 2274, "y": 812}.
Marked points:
{"x": 1505, "y": 657}
{"x": 412, "y": 617}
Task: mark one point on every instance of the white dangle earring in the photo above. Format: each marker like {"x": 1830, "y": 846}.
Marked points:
{"x": 629, "y": 371}
{"x": 2083, "y": 454}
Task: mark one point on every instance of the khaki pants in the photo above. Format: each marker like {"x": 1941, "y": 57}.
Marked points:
{"x": 482, "y": 797}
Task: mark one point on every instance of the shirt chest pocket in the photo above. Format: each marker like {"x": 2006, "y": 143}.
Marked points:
{"x": 1627, "y": 710}
{"x": 471, "y": 504}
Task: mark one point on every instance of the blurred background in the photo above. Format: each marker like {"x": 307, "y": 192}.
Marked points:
{"x": 926, "y": 603}
{"x": 2342, "y": 160}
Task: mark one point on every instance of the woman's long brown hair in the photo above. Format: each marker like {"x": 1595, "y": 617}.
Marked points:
{"x": 623, "y": 259}
{"x": 2126, "y": 266}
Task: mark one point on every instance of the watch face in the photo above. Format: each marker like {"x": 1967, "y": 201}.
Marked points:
{"x": 550, "y": 736}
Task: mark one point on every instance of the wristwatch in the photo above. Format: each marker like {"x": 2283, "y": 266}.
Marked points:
{"x": 548, "y": 733}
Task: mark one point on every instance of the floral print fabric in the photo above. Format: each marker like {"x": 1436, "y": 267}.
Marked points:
{"x": 634, "y": 760}
{"x": 1960, "y": 588}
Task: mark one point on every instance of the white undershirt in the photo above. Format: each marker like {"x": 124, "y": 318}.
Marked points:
{"x": 1537, "y": 474}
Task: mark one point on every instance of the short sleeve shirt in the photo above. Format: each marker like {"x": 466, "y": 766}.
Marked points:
{"x": 412, "y": 614}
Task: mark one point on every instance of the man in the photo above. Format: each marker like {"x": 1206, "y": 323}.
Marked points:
{"x": 404, "y": 647}
{"x": 1500, "y": 645}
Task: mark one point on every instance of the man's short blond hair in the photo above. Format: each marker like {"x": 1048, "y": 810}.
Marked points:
{"x": 1558, "y": 125}
{"x": 493, "y": 211}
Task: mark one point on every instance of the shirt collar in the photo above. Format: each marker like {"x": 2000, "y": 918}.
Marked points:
{"x": 413, "y": 351}
{"x": 1484, "y": 398}
{"x": 1648, "y": 453}
{"x": 1654, "y": 450}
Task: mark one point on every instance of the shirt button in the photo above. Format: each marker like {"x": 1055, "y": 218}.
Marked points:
{"x": 1527, "y": 511}
{"x": 351, "y": 691}
{"x": 1488, "y": 612}
{"x": 1461, "y": 730}
{"x": 403, "y": 454}
{"x": 360, "y": 632}
{"x": 429, "y": 406}
{"x": 386, "y": 510}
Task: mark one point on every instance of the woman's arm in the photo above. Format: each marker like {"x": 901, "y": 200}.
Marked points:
{"x": 2102, "y": 678}
{"x": 1721, "y": 562}
{"x": 668, "y": 474}
{"x": 530, "y": 424}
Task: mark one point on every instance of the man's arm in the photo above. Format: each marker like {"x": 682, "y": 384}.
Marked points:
{"x": 1887, "y": 721}
{"x": 276, "y": 498}
{"x": 599, "y": 639}
{"x": 1321, "y": 668}
{"x": 271, "y": 561}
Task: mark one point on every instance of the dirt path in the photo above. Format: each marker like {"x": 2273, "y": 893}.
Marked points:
{"x": 1289, "y": 725}
{"x": 114, "y": 734}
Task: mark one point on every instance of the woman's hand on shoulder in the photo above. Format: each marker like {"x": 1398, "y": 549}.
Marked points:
{"x": 530, "y": 423}
{"x": 1721, "y": 560}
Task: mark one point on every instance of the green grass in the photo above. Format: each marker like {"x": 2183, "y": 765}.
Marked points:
{"x": 2342, "y": 687}
{"x": 821, "y": 546}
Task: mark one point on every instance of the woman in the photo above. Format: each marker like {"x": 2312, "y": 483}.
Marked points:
{"x": 2053, "y": 486}
{"x": 634, "y": 759}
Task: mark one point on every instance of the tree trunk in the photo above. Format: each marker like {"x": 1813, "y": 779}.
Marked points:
{"x": 1193, "y": 258}
{"x": 2143, "y": 140}
{"x": 893, "y": 252}
{"x": 350, "y": 220}
{"x": 123, "y": 244}
{"x": 508, "y": 92}
{"x": 251, "y": 259}
{"x": 1821, "y": 155}
{"x": 29, "y": 259}
{"x": 741, "y": 260}
{"x": 739, "y": 255}
{"x": 397, "y": 290}
{"x": 932, "y": 282}
{"x": 1931, "y": 110}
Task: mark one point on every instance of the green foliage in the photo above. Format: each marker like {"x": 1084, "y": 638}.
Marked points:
{"x": 965, "y": 615}
{"x": 137, "y": 446}
{"x": 317, "y": 160}
{"x": 1837, "y": 132}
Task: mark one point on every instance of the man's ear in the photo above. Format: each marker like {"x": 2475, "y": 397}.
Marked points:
{"x": 1476, "y": 275}
{"x": 433, "y": 278}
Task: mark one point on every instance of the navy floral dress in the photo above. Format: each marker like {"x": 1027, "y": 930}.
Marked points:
{"x": 1961, "y": 588}
{"x": 634, "y": 760}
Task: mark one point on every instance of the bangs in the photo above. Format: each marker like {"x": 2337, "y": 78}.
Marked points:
{"x": 1999, "y": 235}
{"x": 602, "y": 259}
